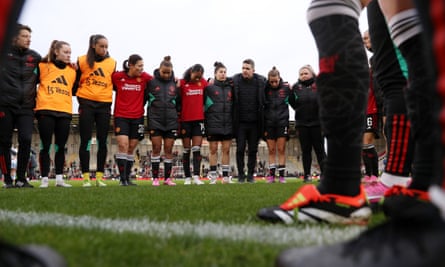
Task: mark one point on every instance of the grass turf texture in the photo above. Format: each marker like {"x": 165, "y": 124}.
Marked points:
{"x": 218, "y": 209}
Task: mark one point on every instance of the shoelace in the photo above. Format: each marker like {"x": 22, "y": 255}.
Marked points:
{"x": 323, "y": 198}
{"x": 292, "y": 202}
{"x": 400, "y": 190}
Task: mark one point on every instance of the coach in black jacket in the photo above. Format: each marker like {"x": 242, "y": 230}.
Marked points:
{"x": 18, "y": 80}
{"x": 304, "y": 101}
{"x": 248, "y": 116}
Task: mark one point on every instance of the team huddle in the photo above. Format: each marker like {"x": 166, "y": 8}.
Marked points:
{"x": 247, "y": 106}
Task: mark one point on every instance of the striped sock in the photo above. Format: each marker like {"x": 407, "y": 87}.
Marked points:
{"x": 323, "y": 8}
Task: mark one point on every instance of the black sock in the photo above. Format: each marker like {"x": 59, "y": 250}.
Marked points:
{"x": 167, "y": 168}
{"x": 186, "y": 162}
{"x": 272, "y": 169}
{"x": 342, "y": 85}
{"x": 421, "y": 109}
{"x": 370, "y": 159}
{"x": 390, "y": 73}
{"x": 225, "y": 170}
{"x": 130, "y": 163}
{"x": 375, "y": 163}
{"x": 281, "y": 169}
{"x": 399, "y": 144}
{"x": 155, "y": 161}
{"x": 196, "y": 162}
{"x": 121, "y": 160}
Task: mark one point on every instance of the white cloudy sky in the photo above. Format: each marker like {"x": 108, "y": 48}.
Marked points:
{"x": 272, "y": 33}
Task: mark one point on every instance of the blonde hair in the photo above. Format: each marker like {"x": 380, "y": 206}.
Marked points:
{"x": 309, "y": 68}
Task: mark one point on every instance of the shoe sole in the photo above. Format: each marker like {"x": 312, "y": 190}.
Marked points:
{"x": 313, "y": 215}
{"x": 64, "y": 185}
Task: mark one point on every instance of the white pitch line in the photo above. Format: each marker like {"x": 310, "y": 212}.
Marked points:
{"x": 301, "y": 235}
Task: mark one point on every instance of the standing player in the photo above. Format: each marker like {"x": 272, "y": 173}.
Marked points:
{"x": 129, "y": 85}
{"x": 94, "y": 94}
{"x": 276, "y": 123}
{"x": 17, "y": 100}
{"x": 372, "y": 129}
{"x": 192, "y": 120}
{"x": 163, "y": 98}
{"x": 304, "y": 101}
{"x": 54, "y": 106}
{"x": 218, "y": 121}
{"x": 248, "y": 117}
{"x": 414, "y": 224}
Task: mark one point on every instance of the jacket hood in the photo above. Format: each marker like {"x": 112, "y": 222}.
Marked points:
{"x": 280, "y": 84}
{"x": 157, "y": 75}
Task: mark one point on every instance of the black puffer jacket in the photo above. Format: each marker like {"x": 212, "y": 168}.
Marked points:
{"x": 304, "y": 101}
{"x": 163, "y": 99}
{"x": 276, "y": 111}
{"x": 218, "y": 101}
{"x": 236, "y": 92}
{"x": 18, "y": 79}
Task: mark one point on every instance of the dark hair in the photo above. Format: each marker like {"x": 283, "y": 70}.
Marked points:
{"x": 20, "y": 27}
{"x": 250, "y": 62}
{"x": 132, "y": 60}
{"x": 166, "y": 62}
{"x": 273, "y": 72}
{"x": 218, "y": 65}
{"x": 195, "y": 68}
{"x": 91, "y": 53}
{"x": 55, "y": 45}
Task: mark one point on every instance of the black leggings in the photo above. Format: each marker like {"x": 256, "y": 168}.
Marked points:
{"x": 87, "y": 119}
{"x": 311, "y": 137}
{"x": 60, "y": 127}
{"x": 23, "y": 122}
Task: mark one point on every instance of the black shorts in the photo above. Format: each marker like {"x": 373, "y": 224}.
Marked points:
{"x": 192, "y": 128}
{"x": 219, "y": 137}
{"x": 173, "y": 134}
{"x": 373, "y": 124}
{"x": 129, "y": 127}
{"x": 276, "y": 132}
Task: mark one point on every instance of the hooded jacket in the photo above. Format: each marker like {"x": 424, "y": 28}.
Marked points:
{"x": 304, "y": 101}
{"x": 276, "y": 112}
{"x": 218, "y": 108}
{"x": 18, "y": 79}
{"x": 163, "y": 97}
{"x": 236, "y": 102}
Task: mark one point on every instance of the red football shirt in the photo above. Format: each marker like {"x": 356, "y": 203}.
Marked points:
{"x": 192, "y": 99}
{"x": 129, "y": 101}
{"x": 372, "y": 103}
